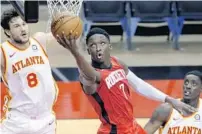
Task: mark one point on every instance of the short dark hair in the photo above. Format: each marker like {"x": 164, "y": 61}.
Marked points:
{"x": 7, "y": 16}
{"x": 97, "y": 30}
{"x": 196, "y": 73}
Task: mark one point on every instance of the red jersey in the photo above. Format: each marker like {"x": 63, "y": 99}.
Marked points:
{"x": 112, "y": 102}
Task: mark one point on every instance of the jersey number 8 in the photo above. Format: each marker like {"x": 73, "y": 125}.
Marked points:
{"x": 32, "y": 80}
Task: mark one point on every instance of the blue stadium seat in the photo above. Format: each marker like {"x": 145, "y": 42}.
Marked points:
{"x": 151, "y": 10}
{"x": 188, "y": 10}
{"x": 154, "y": 11}
{"x": 103, "y": 12}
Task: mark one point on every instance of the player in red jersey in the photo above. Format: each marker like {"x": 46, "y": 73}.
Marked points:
{"x": 106, "y": 83}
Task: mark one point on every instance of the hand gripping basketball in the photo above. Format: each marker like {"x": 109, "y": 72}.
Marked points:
{"x": 68, "y": 42}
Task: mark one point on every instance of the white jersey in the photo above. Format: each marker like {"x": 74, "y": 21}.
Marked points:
{"x": 177, "y": 124}
{"x": 29, "y": 78}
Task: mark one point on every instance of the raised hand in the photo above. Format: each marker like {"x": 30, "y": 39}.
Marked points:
{"x": 68, "y": 42}
{"x": 180, "y": 106}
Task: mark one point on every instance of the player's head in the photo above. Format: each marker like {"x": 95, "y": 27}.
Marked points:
{"x": 192, "y": 85}
{"x": 14, "y": 27}
{"x": 98, "y": 44}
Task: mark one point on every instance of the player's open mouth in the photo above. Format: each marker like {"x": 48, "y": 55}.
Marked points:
{"x": 99, "y": 56}
{"x": 187, "y": 93}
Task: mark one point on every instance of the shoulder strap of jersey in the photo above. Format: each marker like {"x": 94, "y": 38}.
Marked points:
{"x": 4, "y": 44}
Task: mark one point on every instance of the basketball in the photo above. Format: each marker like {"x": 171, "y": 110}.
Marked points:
{"x": 66, "y": 23}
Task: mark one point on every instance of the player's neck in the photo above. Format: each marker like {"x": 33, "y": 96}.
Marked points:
{"x": 104, "y": 65}
{"x": 193, "y": 102}
{"x": 20, "y": 45}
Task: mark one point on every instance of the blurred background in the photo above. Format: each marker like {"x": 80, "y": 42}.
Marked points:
{"x": 159, "y": 40}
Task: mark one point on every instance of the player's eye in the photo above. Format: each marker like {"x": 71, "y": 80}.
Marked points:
{"x": 186, "y": 82}
{"x": 103, "y": 43}
{"x": 194, "y": 83}
{"x": 16, "y": 26}
{"x": 92, "y": 45}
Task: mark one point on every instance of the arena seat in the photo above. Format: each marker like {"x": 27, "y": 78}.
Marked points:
{"x": 103, "y": 12}
{"x": 154, "y": 11}
{"x": 189, "y": 11}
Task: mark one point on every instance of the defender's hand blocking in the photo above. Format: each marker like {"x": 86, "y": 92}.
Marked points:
{"x": 68, "y": 42}
{"x": 180, "y": 106}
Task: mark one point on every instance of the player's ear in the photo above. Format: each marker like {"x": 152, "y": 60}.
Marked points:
{"x": 110, "y": 46}
{"x": 7, "y": 33}
{"x": 88, "y": 51}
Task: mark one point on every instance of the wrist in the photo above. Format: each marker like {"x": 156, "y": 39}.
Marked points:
{"x": 75, "y": 53}
{"x": 168, "y": 99}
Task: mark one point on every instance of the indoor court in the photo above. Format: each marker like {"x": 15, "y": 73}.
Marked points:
{"x": 84, "y": 126}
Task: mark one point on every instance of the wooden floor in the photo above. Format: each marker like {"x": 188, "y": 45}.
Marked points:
{"x": 84, "y": 126}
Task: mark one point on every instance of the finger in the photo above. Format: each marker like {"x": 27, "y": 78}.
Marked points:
{"x": 192, "y": 109}
{"x": 57, "y": 37}
{"x": 71, "y": 37}
{"x": 60, "y": 41}
{"x": 65, "y": 38}
{"x": 195, "y": 109}
{"x": 71, "y": 32}
{"x": 75, "y": 36}
{"x": 189, "y": 108}
{"x": 180, "y": 111}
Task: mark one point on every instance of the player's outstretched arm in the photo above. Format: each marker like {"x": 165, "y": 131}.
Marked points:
{"x": 147, "y": 90}
{"x": 159, "y": 118}
{"x": 84, "y": 67}
{"x": 89, "y": 87}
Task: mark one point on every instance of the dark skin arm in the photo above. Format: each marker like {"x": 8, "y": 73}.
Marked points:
{"x": 87, "y": 73}
{"x": 85, "y": 68}
{"x": 88, "y": 86}
{"x": 159, "y": 117}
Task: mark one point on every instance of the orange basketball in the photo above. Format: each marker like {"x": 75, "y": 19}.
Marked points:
{"x": 66, "y": 23}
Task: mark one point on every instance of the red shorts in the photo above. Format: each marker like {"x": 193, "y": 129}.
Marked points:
{"x": 126, "y": 129}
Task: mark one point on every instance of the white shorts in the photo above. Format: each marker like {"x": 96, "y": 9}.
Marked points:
{"x": 18, "y": 123}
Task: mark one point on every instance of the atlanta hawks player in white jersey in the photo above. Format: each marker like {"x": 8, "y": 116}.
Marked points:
{"x": 27, "y": 73}
{"x": 171, "y": 121}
